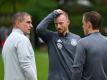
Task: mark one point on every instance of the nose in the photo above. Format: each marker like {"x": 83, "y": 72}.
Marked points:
{"x": 31, "y": 25}
{"x": 58, "y": 25}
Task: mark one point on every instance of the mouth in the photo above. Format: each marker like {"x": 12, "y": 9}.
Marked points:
{"x": 59, "y": 31}
{"x": 29, "y": 29}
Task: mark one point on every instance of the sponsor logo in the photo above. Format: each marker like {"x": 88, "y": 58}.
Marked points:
{"x": 59, "y": 44}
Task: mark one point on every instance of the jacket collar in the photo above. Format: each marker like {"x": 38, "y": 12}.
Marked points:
{"x": 17, "y": 30}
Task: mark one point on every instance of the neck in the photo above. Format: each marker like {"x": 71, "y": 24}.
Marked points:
{"x": 64, "y": 34}
{"x": 93, "y": 31}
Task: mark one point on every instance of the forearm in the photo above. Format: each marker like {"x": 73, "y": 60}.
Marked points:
{"x": 26, "y": 59}
{"x": 29, "y": 72}
{"x": 79, "y": 62}
{"x": 76, "y": 73}
{"x": 42, "y": 26}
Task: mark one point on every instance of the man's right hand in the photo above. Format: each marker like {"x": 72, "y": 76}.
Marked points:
{"x": 59, "y": 11}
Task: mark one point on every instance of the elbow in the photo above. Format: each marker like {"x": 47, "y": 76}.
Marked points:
{"x": 38, "y": 28}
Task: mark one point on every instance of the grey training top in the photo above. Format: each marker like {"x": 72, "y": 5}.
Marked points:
{"x": 61, "y": 49}
{"x": 90, "y": 61}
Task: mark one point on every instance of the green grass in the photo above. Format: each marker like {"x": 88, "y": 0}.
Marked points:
{"x": 1, "y": 68}
{"x": 41, "y": 63}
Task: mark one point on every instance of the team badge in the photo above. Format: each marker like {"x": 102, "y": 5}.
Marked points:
{"x": 73, "y": 42}
{"x": 59, "y": 44}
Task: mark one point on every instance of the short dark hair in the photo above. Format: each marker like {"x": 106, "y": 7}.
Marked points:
{"x": 65, "y": 14}
{"x": 19, "y": 16}
{"x": 94, "y": 17}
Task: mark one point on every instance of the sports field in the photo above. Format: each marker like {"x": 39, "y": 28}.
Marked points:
{"x": 41, "y": 62}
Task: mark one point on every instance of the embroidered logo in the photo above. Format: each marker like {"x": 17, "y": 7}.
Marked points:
{"x": 73, "y": 42}
{"x": 59, "y": 45}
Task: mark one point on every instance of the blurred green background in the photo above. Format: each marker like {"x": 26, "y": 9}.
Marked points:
{"x": 39, "y": 9}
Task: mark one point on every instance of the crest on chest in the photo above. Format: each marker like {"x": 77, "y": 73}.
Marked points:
{"x": 73, "y": 42}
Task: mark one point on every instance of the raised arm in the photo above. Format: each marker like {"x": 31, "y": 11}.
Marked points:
{"x": 42, "y": 28}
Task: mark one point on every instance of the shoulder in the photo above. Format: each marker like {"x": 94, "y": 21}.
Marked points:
{"x": 74, "y": 35}
{"x": 104, "y": 37}
{"x": 18, "y": 37}
{"x": 84, "y": 41}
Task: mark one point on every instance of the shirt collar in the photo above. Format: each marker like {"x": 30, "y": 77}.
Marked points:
{"x": 66, "y": 34}
{"x": 17, "y": 30}
{"x": 93, "y": 33}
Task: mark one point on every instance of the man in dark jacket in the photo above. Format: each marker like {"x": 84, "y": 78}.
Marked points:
{"x": 90, "y": 61}
{"x": 61, "y": 45}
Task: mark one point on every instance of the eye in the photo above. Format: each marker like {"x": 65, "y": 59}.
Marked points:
{"x": 29, "y": 22}
{"x": 56, "y": 24}
{"x": 61, "y": 23}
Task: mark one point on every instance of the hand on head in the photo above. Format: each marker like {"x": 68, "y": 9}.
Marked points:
{"x": 59, "y": 11}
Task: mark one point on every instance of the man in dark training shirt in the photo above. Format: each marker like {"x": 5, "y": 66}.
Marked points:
{"x": 61, "y": 45}
{"x": 90, "y": 61}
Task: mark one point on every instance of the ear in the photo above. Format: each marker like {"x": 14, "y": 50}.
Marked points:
{"x": 68, "y": 21}
{"x": 89, "y": 24}
{"x": 17, "y": 23}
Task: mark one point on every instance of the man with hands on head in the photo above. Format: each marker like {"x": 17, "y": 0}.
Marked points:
{"x": 61, "y": 44}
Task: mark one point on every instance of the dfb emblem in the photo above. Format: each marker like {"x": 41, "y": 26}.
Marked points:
{"x": 73, "y": 42}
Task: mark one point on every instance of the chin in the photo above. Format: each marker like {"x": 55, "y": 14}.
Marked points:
{"x": 27, "y": 33}
{"x": 60, "y": 32}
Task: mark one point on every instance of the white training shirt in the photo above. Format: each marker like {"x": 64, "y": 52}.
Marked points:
{"x": 18, "y": 57}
